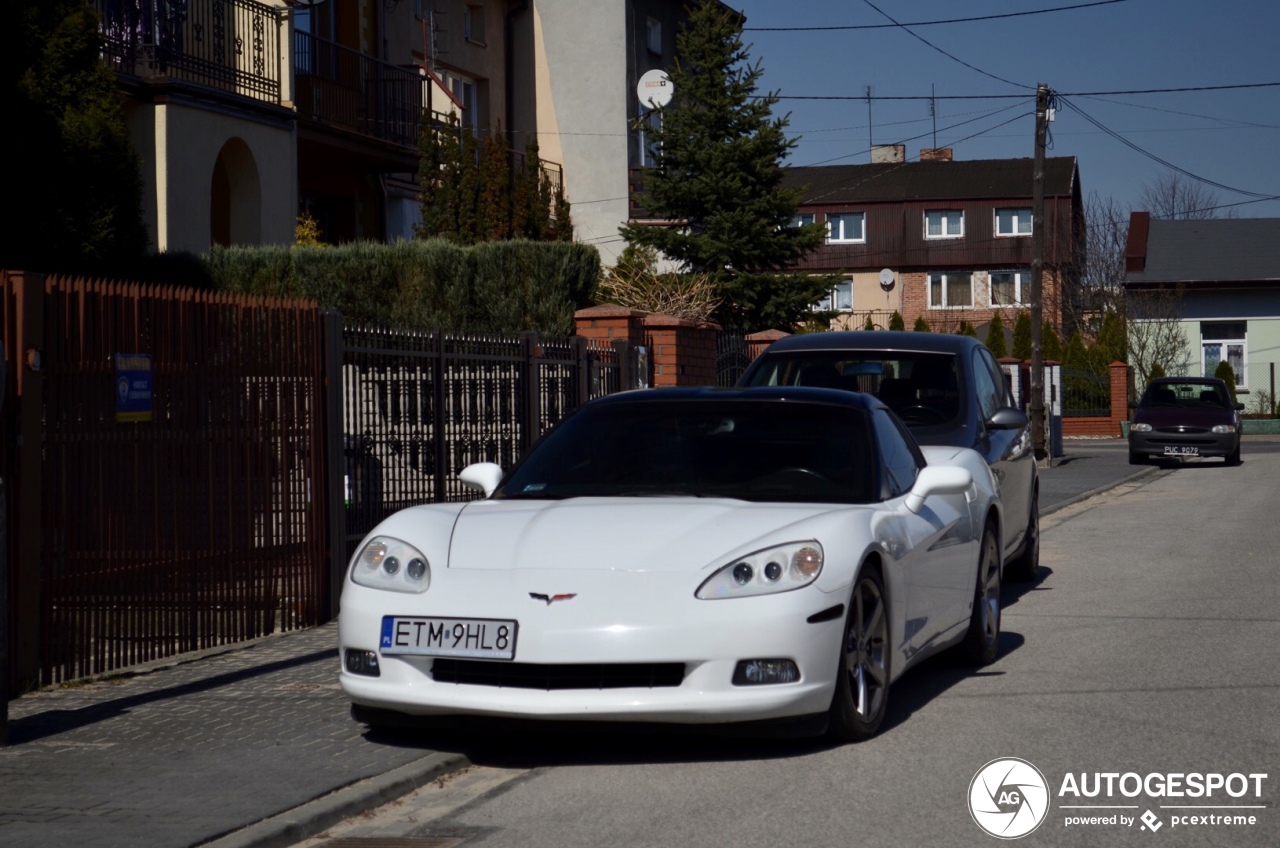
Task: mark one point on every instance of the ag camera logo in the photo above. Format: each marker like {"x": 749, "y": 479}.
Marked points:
{"x": 1008, "y": 798}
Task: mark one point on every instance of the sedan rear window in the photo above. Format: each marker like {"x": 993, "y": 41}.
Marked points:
{"x": 1173, "y": 394}
{"x": 754, "y": 451}
{"x": 922, "y": 388}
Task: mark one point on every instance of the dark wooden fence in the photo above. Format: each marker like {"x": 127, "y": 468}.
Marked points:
{"x": 277, "y": 437}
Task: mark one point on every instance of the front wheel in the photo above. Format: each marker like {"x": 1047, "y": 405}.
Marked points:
{"x": 862, "y": 685}
{"x": 1233, "y": 458}
{"x": 981, "y": 644}
{"x": 1026, "y": 565}
{"x": 1137, "y": 459}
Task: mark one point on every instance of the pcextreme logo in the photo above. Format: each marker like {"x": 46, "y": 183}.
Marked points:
{"x": 1008, "y": 798}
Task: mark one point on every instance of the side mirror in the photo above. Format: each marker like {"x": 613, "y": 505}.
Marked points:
{"x": 937, "y": 480}
{"x": 1008, "y": 418}
{"x": 484, "y": 476}
{"x": 1239, "y": 407}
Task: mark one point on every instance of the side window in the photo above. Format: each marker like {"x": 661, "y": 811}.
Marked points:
{"x": 989, "y": 392}
{"x": 1002, "y": 381}
{"x": 901, "y": 461}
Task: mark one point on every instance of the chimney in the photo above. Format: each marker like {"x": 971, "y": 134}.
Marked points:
{"x": 935, "y": 154}
{"x": 888, "y": 153}
{"x": 1135, "y": 248}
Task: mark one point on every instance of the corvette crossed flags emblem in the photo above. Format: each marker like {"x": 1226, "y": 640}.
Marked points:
{"x": 550, "y": 598}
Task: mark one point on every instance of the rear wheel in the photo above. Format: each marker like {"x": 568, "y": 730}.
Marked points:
{"x": 982, "y": 643}
{"x": 862, "y": 684}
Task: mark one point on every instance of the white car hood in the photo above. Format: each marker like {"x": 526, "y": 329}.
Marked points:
{"x": 620, "y": 534}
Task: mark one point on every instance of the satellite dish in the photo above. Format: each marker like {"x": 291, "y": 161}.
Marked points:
{"x": 886, "y": 279}
{"x": 654, "y": 89}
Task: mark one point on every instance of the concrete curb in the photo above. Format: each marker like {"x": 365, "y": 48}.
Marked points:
{"x": 312, "y": 818}
{"x": 1137, "y": 475}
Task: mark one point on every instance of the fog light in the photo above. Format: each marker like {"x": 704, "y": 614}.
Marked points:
{"x": 764, "y": 672}
{"x": 362, "y": 662}
{"x": 391, "y": 565}
{"x": 742, "y": 573}
{"x": 772, "y": 571}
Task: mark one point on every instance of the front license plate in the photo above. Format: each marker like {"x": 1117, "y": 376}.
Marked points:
{"x": 483, "y": 638}
{"x": 1181, "y": 450}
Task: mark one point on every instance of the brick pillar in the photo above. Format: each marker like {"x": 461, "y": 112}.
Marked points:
{"x": 1121, "y": 383}
{"x": 757, "y": 342}
{"x": 609, "y": 323}
{"x": 683, "y": 352}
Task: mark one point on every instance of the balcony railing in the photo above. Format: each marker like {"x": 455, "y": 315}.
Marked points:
{"x": 232, "y": 45}
{"x": 346, "y": 88}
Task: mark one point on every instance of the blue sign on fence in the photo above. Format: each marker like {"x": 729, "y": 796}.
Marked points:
{"x": 133, "y": 386}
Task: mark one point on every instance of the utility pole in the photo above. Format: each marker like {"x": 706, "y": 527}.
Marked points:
{"x": 1037, "y": 274}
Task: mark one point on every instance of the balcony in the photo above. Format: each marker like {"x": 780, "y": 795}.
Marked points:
{"x": 229, "y": 45}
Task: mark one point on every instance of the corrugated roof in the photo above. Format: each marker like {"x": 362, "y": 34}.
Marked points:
{"x": 1218, "y": 249}
{"x": 956, "y": 180}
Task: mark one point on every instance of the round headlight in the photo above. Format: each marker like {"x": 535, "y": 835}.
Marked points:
{"x": 415, "y": 569}
{"x": 742, "y": 573}
{"x": 772, "y": 571}
{"x": 391, "y": 565}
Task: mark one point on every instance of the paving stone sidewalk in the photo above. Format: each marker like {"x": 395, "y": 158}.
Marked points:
{"x": 181, "y": 755}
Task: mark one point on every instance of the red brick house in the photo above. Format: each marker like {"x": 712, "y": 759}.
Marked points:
{"x": 945, "y": 240}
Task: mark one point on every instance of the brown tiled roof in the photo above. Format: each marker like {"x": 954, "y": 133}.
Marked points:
{"x": 956, "y": 180}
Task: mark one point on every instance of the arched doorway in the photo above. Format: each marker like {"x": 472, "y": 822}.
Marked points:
{"x": 235, "y": 213}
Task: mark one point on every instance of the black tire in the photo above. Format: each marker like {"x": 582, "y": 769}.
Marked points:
{"x": 1233, "y": 458}
{"x": 1137, "y": 459}
{"x": 862, "y": 684}
{"x": 1026, "y": 565}
{"x": 981, "y": 643}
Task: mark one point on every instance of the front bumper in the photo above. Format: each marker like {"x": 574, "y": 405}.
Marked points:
{"x": 613, "y": 618}
{"x": 1206, "y": 443}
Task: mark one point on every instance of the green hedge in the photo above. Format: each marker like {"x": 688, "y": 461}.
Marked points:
{"x": 493, "y": 287}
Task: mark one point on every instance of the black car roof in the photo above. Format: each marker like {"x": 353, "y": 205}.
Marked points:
{"x": 1213, "y": 381}
{"x": 895, "y": 340}
{"x": 804, "y": 394}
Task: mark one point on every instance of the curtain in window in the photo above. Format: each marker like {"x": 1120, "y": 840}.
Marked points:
{"x": 960, "y": 290}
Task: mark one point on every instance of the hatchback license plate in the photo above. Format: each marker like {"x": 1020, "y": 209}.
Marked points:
{"x": 482, "y": 638}
{"x": 1181, "y": 450}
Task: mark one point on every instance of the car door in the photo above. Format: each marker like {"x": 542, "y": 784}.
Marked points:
{"x": 939, "y": 564}
{"x": 1008, "y": 451}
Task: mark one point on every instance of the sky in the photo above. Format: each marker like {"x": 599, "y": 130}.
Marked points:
{"x": 1229, "y": 136}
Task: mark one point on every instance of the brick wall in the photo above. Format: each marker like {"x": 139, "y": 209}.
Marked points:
{"x": 681, "y": 352}
{"x": 915, "y": 303}
{"x": 1109, "y": 425}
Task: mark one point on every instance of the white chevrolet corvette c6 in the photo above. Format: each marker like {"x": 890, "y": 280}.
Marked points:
{"x": 683, "y": 556}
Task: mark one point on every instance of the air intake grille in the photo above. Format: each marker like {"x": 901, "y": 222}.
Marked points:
{"x": 536, "y": 676}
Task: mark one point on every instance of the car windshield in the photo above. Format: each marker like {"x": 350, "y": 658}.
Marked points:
{"x": 763, "y": 451}
{"x": 922, "y": 388}
{"x": 1187, "y": 394}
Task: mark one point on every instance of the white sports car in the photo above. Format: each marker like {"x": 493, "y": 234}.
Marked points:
{"x": 684, "y": 556}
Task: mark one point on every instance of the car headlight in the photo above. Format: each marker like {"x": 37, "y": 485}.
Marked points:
{"x": 1140, "y": 428}
{"x": 1224, "y": 428}
{"x": 387, "y": 563}
{"x": 779, "y": 569}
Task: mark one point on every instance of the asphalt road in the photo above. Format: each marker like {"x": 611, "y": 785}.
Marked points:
{"x": 1148, "y": 646}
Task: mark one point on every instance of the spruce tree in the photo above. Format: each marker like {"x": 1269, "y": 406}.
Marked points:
{"x": 1050, "y": 343}
{"x": 869, "y": 324}
{"x": 922, "y": 326}
{"x": 719, "y": 170}
{"x": 73, "y": 188}
{"x": 1022, "y": 337}
{"x": 995, "y": 337}
{"x": 896, "y": 322}
{"x": 494, "y": 210}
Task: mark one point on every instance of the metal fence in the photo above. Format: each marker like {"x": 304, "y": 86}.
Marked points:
{"x": 199, "y": 525}
{"x": 1257, "y": 389}
{"x": 1085, "y": 393}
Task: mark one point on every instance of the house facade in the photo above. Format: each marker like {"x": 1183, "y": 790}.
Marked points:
{"x": 943, "y": 240}
{"x": 1221, "y": 281}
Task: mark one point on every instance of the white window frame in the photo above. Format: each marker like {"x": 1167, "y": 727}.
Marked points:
{"x": 946, "y": 290}
{"x": 836, "y": 228}
{"x": 1021, "y": 283}
{"x": 1017, "y": 220}
{"x": 1224, "y": 343}
{"x": 653, "y": 35}
{"x": 647, "y": 119}
{"x": 943, "y": 226}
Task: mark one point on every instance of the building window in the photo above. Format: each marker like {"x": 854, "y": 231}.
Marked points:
{"x": 1007, "y": 286}
{"x": 1013, "y": 222}
{"x": 950, "y": 290}
{"x": 944, "y": 223}
{"x": 802, "y": 219}
{"x": 650, "y": 120}
{"x": 653, "y": 36}
{"x": 464, "y": 90}
{"x": 473, "y": 24}
{"x": 839, "y": 299}
{"x": 848, "y": 226}
{"x": 1223, "y": 341}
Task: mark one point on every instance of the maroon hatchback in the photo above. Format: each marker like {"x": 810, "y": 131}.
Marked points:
{"x": 1182, "y": 417}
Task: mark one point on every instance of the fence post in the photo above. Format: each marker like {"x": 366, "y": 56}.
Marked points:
{"x": 26, "y": 601}
{"x": 622, "y": 355}
{"x": 531, "y": 369}
{"x": 583, "y": 367}
{"x": 335, "y": 453}
{"x": 438, "y": 397}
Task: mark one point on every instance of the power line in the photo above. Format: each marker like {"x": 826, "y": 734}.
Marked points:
{"x": 933, "y": 46}
{"x": 932, "y": 23}
{"x": 1012, "y": 96}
